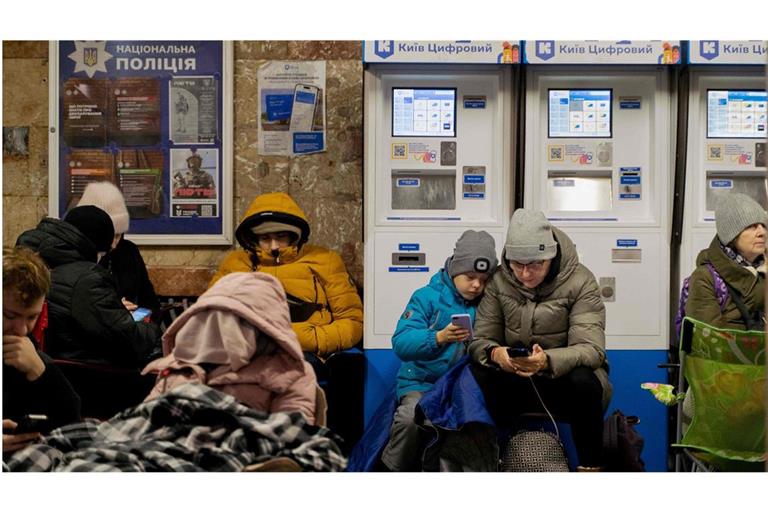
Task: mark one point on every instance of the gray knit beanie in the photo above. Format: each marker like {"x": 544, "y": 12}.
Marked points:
{"x": 475, "y": 252}
{"x": 529, "y": 237}
{"x": 736, "y": 212}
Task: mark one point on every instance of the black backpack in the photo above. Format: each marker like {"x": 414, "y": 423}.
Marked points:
{"x": 622, "y": 445}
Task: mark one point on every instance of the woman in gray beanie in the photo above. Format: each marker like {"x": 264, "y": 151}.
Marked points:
{"x": 737, "y": 256}
{"x": 542, "y": 322}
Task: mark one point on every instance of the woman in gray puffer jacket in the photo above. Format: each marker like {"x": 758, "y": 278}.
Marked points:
{"x": 545, "y": 306}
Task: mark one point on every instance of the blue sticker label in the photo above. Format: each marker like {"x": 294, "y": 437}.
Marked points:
{"x": 307, "y": 142}
{"x": 279, "y": 106}
{"x": 472, "y": 179}
{"x": 629, "y": 103}
{"x": 630, "y": 180}
{"x": 408, "y": 182}
{"x": 564, "y": 183}
{"x": 626, "y": 243}
{"x": 721, "y": 184}
{"x": 474, "y": 103}
{"x": 474, "y": 195}
{"x": 408, "y": 247}
{"x": 629, "y": 196}
{"x": 409, "y": 269}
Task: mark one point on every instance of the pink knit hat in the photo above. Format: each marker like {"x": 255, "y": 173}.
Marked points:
{"x": 108, "y": 197}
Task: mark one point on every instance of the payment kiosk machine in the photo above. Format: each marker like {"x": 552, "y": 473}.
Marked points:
{"x": 598, "y": 164}
{"x": 726, "y": 136}
{"x": 438, "y": 118}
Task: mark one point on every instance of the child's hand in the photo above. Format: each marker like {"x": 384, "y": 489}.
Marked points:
{"x": 451, "y": 334}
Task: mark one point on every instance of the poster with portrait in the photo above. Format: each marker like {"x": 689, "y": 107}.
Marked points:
{"x": 155, "y": 119}
{"x": 194, "y": 187}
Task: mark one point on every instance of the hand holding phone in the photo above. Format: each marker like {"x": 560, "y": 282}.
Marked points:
{"x": 139, "y": 314}
{"x": 518, "y": 352}
{"x": 31, "y": 423}
{"x": 464, "y": 321}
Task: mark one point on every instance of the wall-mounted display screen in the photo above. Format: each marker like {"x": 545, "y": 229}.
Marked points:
{"x": 580, "y": 113}
{"x": 733, "y": 114}
{"x": 423, "y": 112}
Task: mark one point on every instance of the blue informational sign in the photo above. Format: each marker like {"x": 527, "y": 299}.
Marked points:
{"x": 630, "y": 103}
{"x": 721, "y": 184}
{"x": 408, "y": 247}
{"x": 474, "y": 179}
{"x": 307, "y": 142}
{"x": 626, "y": 243}
{"x": 409, "y": 269}
{"x": 408, "y": 182}
{"x": 279, "y": 106}
{"x": 147, "y": 116}
{"x": 474, "y": 103}
{"x": 630, "y": 180}
{"x": 474, "y": 195}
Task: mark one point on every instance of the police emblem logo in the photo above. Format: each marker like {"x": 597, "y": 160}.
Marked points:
{"x": 90, "y": 56}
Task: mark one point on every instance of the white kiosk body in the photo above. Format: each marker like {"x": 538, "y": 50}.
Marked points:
{"x": 437, "y": 162}
{"x": 727, "y": 123}
{"x": 598, "y": 161}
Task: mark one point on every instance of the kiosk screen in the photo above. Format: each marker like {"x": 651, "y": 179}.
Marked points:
{"x": 733, "y": 114}
{"x": 580, "y": 113}
{"x": 423, "y": 112}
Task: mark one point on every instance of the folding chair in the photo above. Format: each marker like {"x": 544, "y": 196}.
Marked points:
{"x": 724, "y": 371}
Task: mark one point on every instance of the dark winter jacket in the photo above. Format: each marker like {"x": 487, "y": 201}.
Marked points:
{"x": 51, "y": 394}
{"x": 87, "y": 320}
{"x": 127, "y": 267}
{"x": 702, "y": 299}
{"x": 564, "y": 315}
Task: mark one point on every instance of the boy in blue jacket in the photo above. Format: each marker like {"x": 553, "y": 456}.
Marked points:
{"x": 429, "y": 344}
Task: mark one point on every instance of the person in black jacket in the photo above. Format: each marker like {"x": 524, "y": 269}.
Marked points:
{"x": 32, "y": 384}
{"x": 88, "y": 321}
{"x": 124, "y": 261}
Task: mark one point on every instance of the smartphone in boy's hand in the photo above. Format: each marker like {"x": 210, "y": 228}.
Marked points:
{"x": 464, "y": 321}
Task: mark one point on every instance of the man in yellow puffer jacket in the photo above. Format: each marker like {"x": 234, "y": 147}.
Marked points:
{"x": 326, "y": 311}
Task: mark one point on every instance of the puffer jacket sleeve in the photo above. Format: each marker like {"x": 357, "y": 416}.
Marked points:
{"x": 416, "y": 331}
{"x": 346, "y": 329}
{"x": 489, "y": 326}
{"x": 300, "y": 396}
{"x": 702, "y": 300}
{"x": 100, "y": 313}
{"x": 236, "y": 261}
{"x": 586, "y": 333}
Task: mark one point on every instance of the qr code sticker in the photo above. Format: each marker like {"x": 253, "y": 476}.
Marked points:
{"x": 206, "y": 210}
{"x": 715, "y": 153}
{"x": 556, "y": 153}
{"x": 399, "y": 151}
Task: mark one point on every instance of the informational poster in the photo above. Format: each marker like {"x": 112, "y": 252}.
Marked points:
{"x": 154, "y": 118}
{"x": 291, "y": 108}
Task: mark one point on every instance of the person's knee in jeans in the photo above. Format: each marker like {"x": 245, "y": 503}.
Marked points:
{"x": 406, "y": 440}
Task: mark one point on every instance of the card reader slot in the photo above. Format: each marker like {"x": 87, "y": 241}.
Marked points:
{"x": 408, "y": 258}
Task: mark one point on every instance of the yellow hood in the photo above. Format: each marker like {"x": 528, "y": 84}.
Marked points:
{"x": 275, "y": 207}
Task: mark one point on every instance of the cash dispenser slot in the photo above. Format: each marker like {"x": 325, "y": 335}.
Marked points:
{"x": 408, "y": 258}
{"x": 571, "y": 190}
{"x": 720, "y": 183}
{"x": 421, "y": 189}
